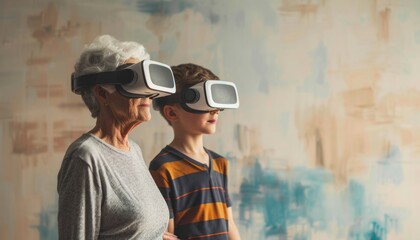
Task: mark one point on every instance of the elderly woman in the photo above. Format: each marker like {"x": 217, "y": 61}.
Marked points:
{"x": 104, "y": 186}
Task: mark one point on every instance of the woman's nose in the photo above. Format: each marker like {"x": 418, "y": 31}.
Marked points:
{"x": 212, "y": 112}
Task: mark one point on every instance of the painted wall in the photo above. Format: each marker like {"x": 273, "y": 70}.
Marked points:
{"x": 326, "y": 142}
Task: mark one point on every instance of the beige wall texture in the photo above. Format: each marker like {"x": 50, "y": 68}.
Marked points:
{"x": 325, "y": 145}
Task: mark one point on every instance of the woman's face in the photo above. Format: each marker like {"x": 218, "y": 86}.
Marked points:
{"x": 129, "y": 110}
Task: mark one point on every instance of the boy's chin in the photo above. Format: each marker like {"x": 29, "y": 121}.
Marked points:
{"x": 210, "y": 131}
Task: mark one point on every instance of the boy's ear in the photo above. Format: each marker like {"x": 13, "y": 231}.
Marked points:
{"x": 169, "y": 112}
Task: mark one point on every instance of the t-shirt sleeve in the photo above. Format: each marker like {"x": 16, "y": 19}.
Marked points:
{"x": 164, "y": 186}
{"x": 226, "y": 186}
{"x": 79, "y": 201}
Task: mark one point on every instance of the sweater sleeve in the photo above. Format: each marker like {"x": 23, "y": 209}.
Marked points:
{"x": 79, "y": 201}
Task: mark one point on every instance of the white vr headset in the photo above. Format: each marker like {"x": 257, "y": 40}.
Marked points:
{"x": 146, "y": 79}
{"x": 204, "y": 97}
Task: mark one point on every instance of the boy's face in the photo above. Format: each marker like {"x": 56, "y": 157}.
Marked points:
{"x": 193, "y": 123}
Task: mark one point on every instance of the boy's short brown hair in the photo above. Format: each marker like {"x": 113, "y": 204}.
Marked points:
{"x": 187, "y": 75}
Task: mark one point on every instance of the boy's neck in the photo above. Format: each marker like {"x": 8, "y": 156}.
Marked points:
{"x": 192, "y": 146}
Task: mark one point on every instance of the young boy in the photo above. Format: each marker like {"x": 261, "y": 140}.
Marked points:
{"x": 191, "y": 178}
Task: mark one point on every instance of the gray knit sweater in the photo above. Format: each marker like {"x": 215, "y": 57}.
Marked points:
{"x": 106, "y": 193}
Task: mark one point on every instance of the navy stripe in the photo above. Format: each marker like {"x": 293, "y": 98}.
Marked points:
{"x": 218, "y": 179}
{"x": 214, "y": 155}
{"x": 196, "y": 180}
{"x": 203, "y": 228}
{"x": 198, "y": 198}
{"x": 189, "y": 182}
{"x": 165, "y": 191}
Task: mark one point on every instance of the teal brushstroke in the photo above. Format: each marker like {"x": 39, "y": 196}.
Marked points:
{"x": 262, "y": 61}
{"x": 390, "y": 167}
{"x": 239, "y": 20}
{"x": 357, "y": 195}
{"x": 163, "y": 7}
{"x": 285, "y": 122}
{"x": 316, "y": 82}
{"x": 320, "y": 65}
{"x": 300, "y": 199}
{"x": 48, "y": 227}
{"x": 417, "y": 37}
{"x": 403, "y": 16}
{"x": 293, "y": 199}
{"x": 168, "y": 8}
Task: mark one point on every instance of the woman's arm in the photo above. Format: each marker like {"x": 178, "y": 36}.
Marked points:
{"x": 233, "y": 229}
{"x": 78, "y": 202}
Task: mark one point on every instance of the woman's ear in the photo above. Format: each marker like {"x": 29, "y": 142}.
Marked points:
{"x": 100, "y": 94}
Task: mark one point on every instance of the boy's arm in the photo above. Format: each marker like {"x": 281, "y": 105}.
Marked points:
{"x": 171, "y": 226}
{"x": 169, "y": 234}
{"x": 233, "y": 229}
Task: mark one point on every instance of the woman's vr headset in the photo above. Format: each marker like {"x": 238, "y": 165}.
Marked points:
{"x": 146, "y": 79}
{"x": 204, "y": 97}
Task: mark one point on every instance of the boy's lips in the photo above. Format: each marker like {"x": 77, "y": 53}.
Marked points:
{"x": 144, "y": 105}
{"x": 212, "y": 121}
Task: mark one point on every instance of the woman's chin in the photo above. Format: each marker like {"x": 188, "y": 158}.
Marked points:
{"x": 146, "y": 118}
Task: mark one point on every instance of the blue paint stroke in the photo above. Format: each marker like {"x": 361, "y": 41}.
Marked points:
{"x": 417, "y": 37}
{"x": 390, "y": 168}
{"x": 262, "y": 62}
{"x": 48, "y": 227}
{"x": 167, "y": 8}
{"x": 294, "y": 200}
{"x": 301, "y": 199}
{"x": 163, "y": 7}
{"x": 316, "y": 81}
{"x": 320, "y": 58}
{"x": 356, "y": 193}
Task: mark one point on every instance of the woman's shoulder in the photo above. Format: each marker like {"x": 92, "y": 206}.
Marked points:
{"x": 134, "y": 145}
{"x": 84, "y": 148}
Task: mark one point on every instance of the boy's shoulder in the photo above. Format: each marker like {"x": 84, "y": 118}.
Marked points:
{"x": 164, "y": 156}
{"x": 214, "y": 154}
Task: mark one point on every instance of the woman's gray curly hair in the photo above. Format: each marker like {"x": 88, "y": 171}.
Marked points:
{"x": 105, "y": 53}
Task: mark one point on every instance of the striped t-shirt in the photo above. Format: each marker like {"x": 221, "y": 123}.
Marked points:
{"x": 196, "y": 194}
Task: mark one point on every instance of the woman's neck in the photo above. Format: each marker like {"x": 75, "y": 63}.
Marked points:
{"x": 111, "y": 133}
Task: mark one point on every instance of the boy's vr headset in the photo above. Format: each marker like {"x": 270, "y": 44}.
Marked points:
{"x": 204, "y": 97}
{"x": 146, "y": 79}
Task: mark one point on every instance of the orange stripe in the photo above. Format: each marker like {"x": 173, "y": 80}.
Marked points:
{"x": 209, "y": 235}
{"x": 203, "y": 212}
{"x": 219, "y": 165}
{"x": 196, "y": 190}
{"x": 159, "y": 179}
{"x": 179, "y": 168}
